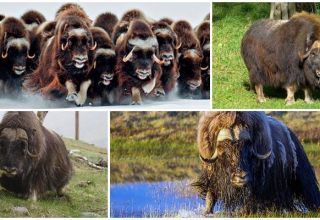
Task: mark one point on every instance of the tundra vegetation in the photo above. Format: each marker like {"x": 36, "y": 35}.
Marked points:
{"x": 85, "y": 193}
{"x": 231, "y": 86}
{"x": 159, "y": 146}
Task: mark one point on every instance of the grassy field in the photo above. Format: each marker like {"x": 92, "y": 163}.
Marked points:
{"x": 86, "y": 192}
{"x": 231, "y": 88}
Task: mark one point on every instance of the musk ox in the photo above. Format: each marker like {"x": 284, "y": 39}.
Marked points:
{"x": 138, "y": 67}
{"x": 169, "y": 21}
{"x": 252, "y": 162}
{"x": 33, "y": 19}
{"x": 190, "y": 59}
{"x": 107, "y": 21}
{"x": 203, "y": 34}
{"x": 284, "y": 54}
{"x": 66, "y": 60}
{"x": 103, "y": 77}
{"x": 33, "y": 159}
{"x": 168, "y": 51}
{"x": 15, "y": 51}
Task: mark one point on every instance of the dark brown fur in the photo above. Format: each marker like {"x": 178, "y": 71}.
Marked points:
{"x": 106, "y": 21}
{"x": 46, "y": 166}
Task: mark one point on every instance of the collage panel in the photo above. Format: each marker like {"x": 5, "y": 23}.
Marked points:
{"x": 214, "y": 164}
{"x": 265, "y": 55}
{"x": 111, "y": 54}
{"x": 53, "y": 164}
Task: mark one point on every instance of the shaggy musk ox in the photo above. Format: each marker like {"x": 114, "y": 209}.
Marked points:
{"x": 203, "y": 34}
{"x": 33, "y": 19}
{"x": 66, "y": 59}
{"x": 190, "y": 59}
{"x": 252, "y": 162}
{"x": 283, "y": 54}
{"x": 107, "y": 21}
{"x": 15, "y": 51}
{"x": 33, "y": 159}
{"x": 168, "y": 50}
{"x": 102, "y": 74}
{"x": 138, "y": 67}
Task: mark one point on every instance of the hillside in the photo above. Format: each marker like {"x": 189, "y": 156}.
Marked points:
{"x": 86, "y": 194}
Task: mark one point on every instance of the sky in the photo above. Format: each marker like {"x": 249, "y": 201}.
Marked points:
{"x": 193, "y": 12}
{"x": 93, "y": 125}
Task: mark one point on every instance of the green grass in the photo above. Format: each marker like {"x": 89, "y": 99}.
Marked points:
{"x": 231, "y": 87}
{"x": 79, "y": 197}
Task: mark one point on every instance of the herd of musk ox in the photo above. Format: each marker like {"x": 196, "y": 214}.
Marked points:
{"x": 284, "y": 53}
{"x": 121, "y": 61}
{"x": 253, "y": 163}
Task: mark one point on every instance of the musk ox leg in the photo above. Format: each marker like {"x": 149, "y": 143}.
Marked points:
{"x": 72, "y": 93}
{"x": 307, "y": 97}
{"x": 136, "y": 96}
{"x": 260, "y": 94}
{"x": 291, "y": 90}
{"x": 82, "y": 95}
{"x": 148, "y": 87}
{"x": 210, "y": 201}
{"x": 33, "y": 196}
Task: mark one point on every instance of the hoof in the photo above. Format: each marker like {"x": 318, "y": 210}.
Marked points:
{"x": 160, "y": 92}
{"x": 136, "y": 103}
{"x": 309, "y": 101}
{"x": 289, "y": 102}
{"x": 261, "y": 100}
{"x": 72, "y": 97}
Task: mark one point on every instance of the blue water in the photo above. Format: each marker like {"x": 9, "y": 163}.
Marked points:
{"x": 145, "y": 199}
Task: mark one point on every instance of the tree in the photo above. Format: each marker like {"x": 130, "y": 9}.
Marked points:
{"x": 283, "y": 10}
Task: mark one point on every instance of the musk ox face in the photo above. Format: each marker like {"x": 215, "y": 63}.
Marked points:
{"x": 167, "y": 41}
{"x": 142, "y": 56}
{"x": 311, "y": 64}
{"x": 76, "y": 44}
{"x": 190, "y": 68}
{"x": 105, "y": 61}
{"x": 16, "y": 53}
{"x": 14, "y": 151}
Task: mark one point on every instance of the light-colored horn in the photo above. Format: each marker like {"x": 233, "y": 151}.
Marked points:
{"x": 31, "y": 154}
{"x": 177, "y": 47}
{"x": 94, "y": 64}
{"x": 262, "y": 156}
{"x": 204, "y": 68}
{"x": 31, "y": 57}
{"x": 212, "y": 159}
{"x": 4, "y": 55}
{"x": 224, "y": 134}
{"x": 94, "y": 46}
{"x": 128, "y": 57}
{"x": 157, "y": 60}
{"x": 64, "y": 47}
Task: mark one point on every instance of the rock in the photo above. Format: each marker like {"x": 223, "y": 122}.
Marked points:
{"x": 89, "y": 215}
{"x": 20, "y": 210}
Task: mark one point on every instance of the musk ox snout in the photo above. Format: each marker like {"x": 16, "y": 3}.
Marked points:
{"x": 167, "y": 58}
{"x": 240, "y": 179}
{"x": 80, "y": 60}
{"x": 19, "y": 69}
{"x": 143, "y": 73}
{"x": 194, "y": 84}
{"x": 106, "y": 78}
{"x": 9, "y": 171}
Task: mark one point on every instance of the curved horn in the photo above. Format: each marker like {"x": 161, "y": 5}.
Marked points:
{"x": 212, "y": 159}
{"x": 224, "y": 134}
{"x": 262, "y": 156}
{"x": 204, "y": 68}
{"x": 64, "y": 47}
{"x": 177, "y": 47}
{"x": 31, "y": 57}
{"x": 4, "y": 55}
{"x": 31, "y": 154}
{"x": 94, "y": 46}
{"x": 157, "y": 60}
{"x": 128, "y": 57}
{"x": 94, "y": 64}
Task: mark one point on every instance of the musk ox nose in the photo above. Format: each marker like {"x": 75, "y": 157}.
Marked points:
{"x": 10, "y": 170}
{"x": 239, "y": 179}
{"x": 106, "y": 78}
{"x": 167, "y": 57}
{"x": 143, "y": 73}
{"x": 318, "y": 73}
{"x": 194, "y": 84}
{"x": 19, "y": 69}
{"x": 80, "y": 60}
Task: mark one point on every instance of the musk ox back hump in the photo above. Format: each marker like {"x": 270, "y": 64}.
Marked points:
{"x": 132, "y": 15}
{"x": 106, "y": 21}
{"x": 33, "y": 17}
